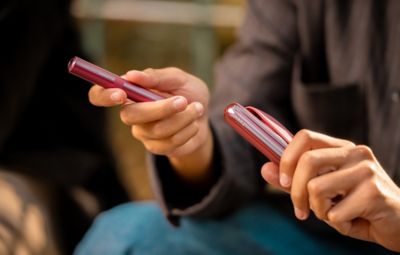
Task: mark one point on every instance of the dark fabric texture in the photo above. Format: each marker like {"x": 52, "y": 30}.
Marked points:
{"x": 328, "y": 66}
{"x": 48, "y": 129}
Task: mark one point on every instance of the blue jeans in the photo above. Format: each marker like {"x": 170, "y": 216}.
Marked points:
{"x": 140, "y": 228}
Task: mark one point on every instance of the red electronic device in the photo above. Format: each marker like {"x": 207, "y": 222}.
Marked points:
{"x": 106, "y": 79}
{"x": 260, "y": 129}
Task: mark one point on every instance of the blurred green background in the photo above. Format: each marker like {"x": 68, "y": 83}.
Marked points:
{"x": 136, "y": 34}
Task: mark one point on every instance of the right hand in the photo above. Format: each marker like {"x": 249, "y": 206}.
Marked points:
{"x": 343, "y": 184}
{"x": 175, "y": 126}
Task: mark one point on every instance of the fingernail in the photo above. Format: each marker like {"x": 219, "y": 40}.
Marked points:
{"x": 179, "y": 102}
{"x": 199, "y": 108}
{"x": 116, "y": 97}
{"x": 284, "y": 179}
{"x": 300, "y": 214}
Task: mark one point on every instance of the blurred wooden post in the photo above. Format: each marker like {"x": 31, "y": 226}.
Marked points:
{"x": 204, "y": 48}
{"x": 92, "y": 31}
{"x": 203, "y": 15}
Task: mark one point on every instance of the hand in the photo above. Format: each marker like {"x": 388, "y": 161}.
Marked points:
{"x": 343, "y": 184}
{"x": 177, "y": 126}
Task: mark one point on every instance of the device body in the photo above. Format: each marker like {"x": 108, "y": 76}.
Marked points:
{"x": 97, "y": 75}
{"x": 260, "y": 129}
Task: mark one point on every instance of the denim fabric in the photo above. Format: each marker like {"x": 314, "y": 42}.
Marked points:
{"x": 140, "y": 228}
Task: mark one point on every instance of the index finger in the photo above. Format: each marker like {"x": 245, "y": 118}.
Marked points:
{"x": 166, "y": 79}
{"x": 141, "y": 113}
{"x": 312, "y": 164}
{"x": 304, "y": 140}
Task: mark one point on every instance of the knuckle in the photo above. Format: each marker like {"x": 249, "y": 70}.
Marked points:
{"x": 314, "y": 187}
{"x": 305, "y": 134}
{"x": 371, "y": 193}
{"x": 367, "y": 168}
{"x": 334, "y": 218}
{"x": 349, "y": 143}
{"x": 364, "y": 151}
{"x": 309, "y": 158}
{"x": 174, "y": 70}
{"x": 149, "y": 70}
{"x": 179, "y": 74}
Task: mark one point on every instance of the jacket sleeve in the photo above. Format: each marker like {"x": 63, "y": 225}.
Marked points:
{"x": 255, "y": 71}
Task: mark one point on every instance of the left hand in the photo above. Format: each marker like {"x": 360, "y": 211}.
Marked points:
{"x": 343, "y": 184}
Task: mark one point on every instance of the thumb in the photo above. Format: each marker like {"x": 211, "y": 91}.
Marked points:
{"x": 270, "y": 173}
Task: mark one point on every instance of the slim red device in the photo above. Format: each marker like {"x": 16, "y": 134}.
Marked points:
{"x": 260, "y": 129}
{"x": 106, "y": 79}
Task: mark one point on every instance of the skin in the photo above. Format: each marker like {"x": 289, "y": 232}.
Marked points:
{"x": 176, "y": 127}
{"x": 343, "y": 184}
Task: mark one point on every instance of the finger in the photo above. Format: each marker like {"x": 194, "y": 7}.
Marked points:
{"x": 347, "y": 216}
{"x": 327, "y": 190}
{"x": 320, "y": 206}
{"x": 167, "y": 146}
{"x": 270, "y": 173}
{"x": 191, "y": 145}
{"x": 334, "y": 191}
{"x": 359, "y": 195}
{"x": 142, "y": 78}
{"x": 310, "y": 165}
{"x": 166, "y": 79}
{"x": 169, "y": 126}
{"x": 303, "y": 141}
{"x": 142, "y": 113}
{"x": 100, "y": 96}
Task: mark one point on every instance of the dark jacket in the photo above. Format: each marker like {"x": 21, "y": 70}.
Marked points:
{"x": 328, "y": 66}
